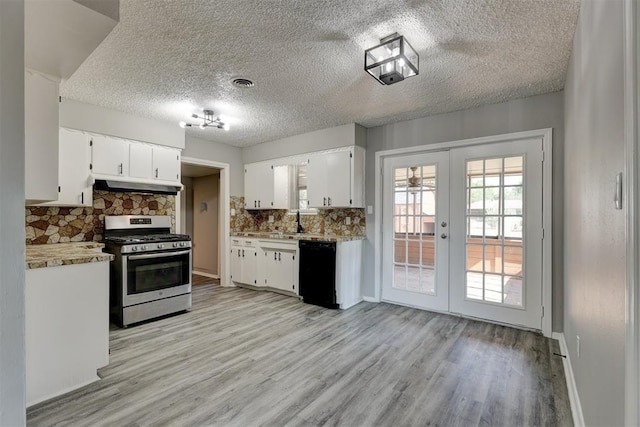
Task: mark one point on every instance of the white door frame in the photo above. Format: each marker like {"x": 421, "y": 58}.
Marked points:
{"x": 547, "y": 189}
{"x": 224, "y": 214}
{"x": 632, "y": 206}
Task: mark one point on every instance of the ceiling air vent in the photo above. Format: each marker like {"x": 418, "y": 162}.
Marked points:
{"x": 243, "y": 83}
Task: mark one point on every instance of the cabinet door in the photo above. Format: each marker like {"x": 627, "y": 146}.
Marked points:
{"x": 317, "y": 181}
{"x": 281, "y": 190}
{"x": 110, "y": 156}
{"x": 236, "y": 264}
{"x": 166, "y": 164}
{"x": 280, "y": 269}
{"x": 258, "y": 186}
{"x": 75, "y": 157}
{"x": 140, "y": 160}
{"x": 250, "y": 266}
{"x": 40, "y": 138}
{"x": 338, "y": 178}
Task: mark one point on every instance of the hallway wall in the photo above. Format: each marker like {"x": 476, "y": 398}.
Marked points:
{"x": 206, "y": 202}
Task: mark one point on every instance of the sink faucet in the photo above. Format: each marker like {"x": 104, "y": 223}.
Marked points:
{"x": 300, "y": 229}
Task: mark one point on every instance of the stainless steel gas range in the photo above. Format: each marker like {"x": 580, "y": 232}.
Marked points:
{"x": 151, "y": 274}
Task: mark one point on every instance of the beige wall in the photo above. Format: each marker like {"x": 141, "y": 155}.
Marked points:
{"x": 594, "y": 231}
{"x": 205, "y": 223}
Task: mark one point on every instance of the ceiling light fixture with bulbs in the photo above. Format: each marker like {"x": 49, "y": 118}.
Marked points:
{"x": 392, "y": 61}
{"x": 208, "y": 120}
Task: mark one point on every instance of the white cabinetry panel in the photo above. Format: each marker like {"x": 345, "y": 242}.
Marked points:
{"x": 335, "y": 178}
{"x": 110, "y": 156}
{"x": 140, "y": 161}
{"x": 166, "y": 164}
{"x": 40, "y": 138}
{"x": 76, "y": 188}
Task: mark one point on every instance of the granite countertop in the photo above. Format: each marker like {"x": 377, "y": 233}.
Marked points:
{"x": 56, "y": 254}
{"x": 296, "y": 236}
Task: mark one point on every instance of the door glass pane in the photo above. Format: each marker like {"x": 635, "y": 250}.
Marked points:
{"x": 495, "y": 236}
{"x": 414, "y": 222}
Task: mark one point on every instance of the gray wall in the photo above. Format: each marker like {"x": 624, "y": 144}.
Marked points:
{"x": 323, "y": 139}
{"x": 544, "y": 111}
{"x": 223, "y": 153}
{"x": 594, "y": 231}
{"x": 81, "y": 116}
{"x": 12, "y": 326}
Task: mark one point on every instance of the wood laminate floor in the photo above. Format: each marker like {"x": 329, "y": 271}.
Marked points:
{"x": 249, "y": 358}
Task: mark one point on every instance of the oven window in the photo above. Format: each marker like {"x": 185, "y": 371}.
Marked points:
{"x": 159, "y": 272}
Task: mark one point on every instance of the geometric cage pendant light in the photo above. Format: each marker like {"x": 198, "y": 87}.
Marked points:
{"x": 392, "y": 61}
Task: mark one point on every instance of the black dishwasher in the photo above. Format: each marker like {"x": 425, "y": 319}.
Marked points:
{"x": 318, "y": 273}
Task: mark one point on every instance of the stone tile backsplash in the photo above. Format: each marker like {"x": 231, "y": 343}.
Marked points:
{"x": 53, "y": 224}
{"x": 326, "y": 221}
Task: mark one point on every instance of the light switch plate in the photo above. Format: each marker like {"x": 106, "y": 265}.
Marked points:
{"x": 270, "y": 218}
{"x": 347, "y": 220}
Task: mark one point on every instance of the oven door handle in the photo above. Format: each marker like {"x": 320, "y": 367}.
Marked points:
{"x": 158, "y": 255}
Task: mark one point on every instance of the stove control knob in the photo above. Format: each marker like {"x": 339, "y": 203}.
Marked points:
{"x": 160, "y": 246}
{"x": 134, "y": 249}
{"x": 182, "y": 244}
{"x": 143, "y": 247}
{"x": 175, "y": 245}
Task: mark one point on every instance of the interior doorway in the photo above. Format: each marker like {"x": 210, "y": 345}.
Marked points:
{"x": 202, "y": 212}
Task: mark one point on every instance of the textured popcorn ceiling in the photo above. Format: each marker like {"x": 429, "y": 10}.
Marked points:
{"x": 166, "y": 57}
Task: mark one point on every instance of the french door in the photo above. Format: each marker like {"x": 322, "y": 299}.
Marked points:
{"x": 416, "y": 249}
{"x": 479, "y": 210}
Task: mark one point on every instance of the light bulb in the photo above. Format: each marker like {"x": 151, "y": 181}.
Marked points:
{"x": 389, "y": 67}
{"x": 226, "y": 126}
{"x": 401, "y": 62}
{"x": 183, "y": 124}
{"x": 221, "y": 118}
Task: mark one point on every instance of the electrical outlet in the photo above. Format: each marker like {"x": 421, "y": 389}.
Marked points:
{"x": 369, "y": 210}
{"x": 347, "y": 220}
{"x": 270, "y": 218}
{"x": 578, "y": 345}
{"x": 233, "y": 212}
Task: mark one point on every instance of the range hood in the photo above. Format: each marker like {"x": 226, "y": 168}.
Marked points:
{"x": 136, "y": 187}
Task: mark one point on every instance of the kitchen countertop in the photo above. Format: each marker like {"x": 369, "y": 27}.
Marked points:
{"x": 56, "y": 254}
{"x": 296, "y": 236}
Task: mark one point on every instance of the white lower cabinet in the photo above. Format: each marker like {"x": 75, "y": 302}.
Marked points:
{"x": 244, "y": 262}
{"x": 279, "y": 264}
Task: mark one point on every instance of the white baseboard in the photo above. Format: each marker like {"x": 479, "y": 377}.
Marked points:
{"x": 574, "y": 398}
{"x": 370, "y": 299}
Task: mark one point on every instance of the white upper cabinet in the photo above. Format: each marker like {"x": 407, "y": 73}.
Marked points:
{"x": 336, "y": 178}
{"x": 134, "y": 161}
{"x": 166, "y": 164}
{"x": 76, "y": 187}
{"x": 140, "y": 161}
{"x": 40, "y": 138}
{"x": 266, "y": 186}
{"x": 109, "y": 156}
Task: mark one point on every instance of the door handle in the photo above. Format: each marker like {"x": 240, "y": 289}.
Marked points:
{"x": 258, "y": 203}
{"x": 120, "y": 168}
{"x": 328, "y": 201}
{"x": 443, "y": 236}
{"x": 324, "y": 201}
{"x": 279, "y": 256}
{"x": 243, "y": 253}
{"x": 238, "y": 252}
{"x": 156, "y": 172}
{"x": 255, "y": 204}
{"x": 275, "y": 256}
{"x": 444, "y": 223}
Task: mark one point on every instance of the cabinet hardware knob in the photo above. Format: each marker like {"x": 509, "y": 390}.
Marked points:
{"x": 443, "y": 235}
{"x": 443, "y": 223}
